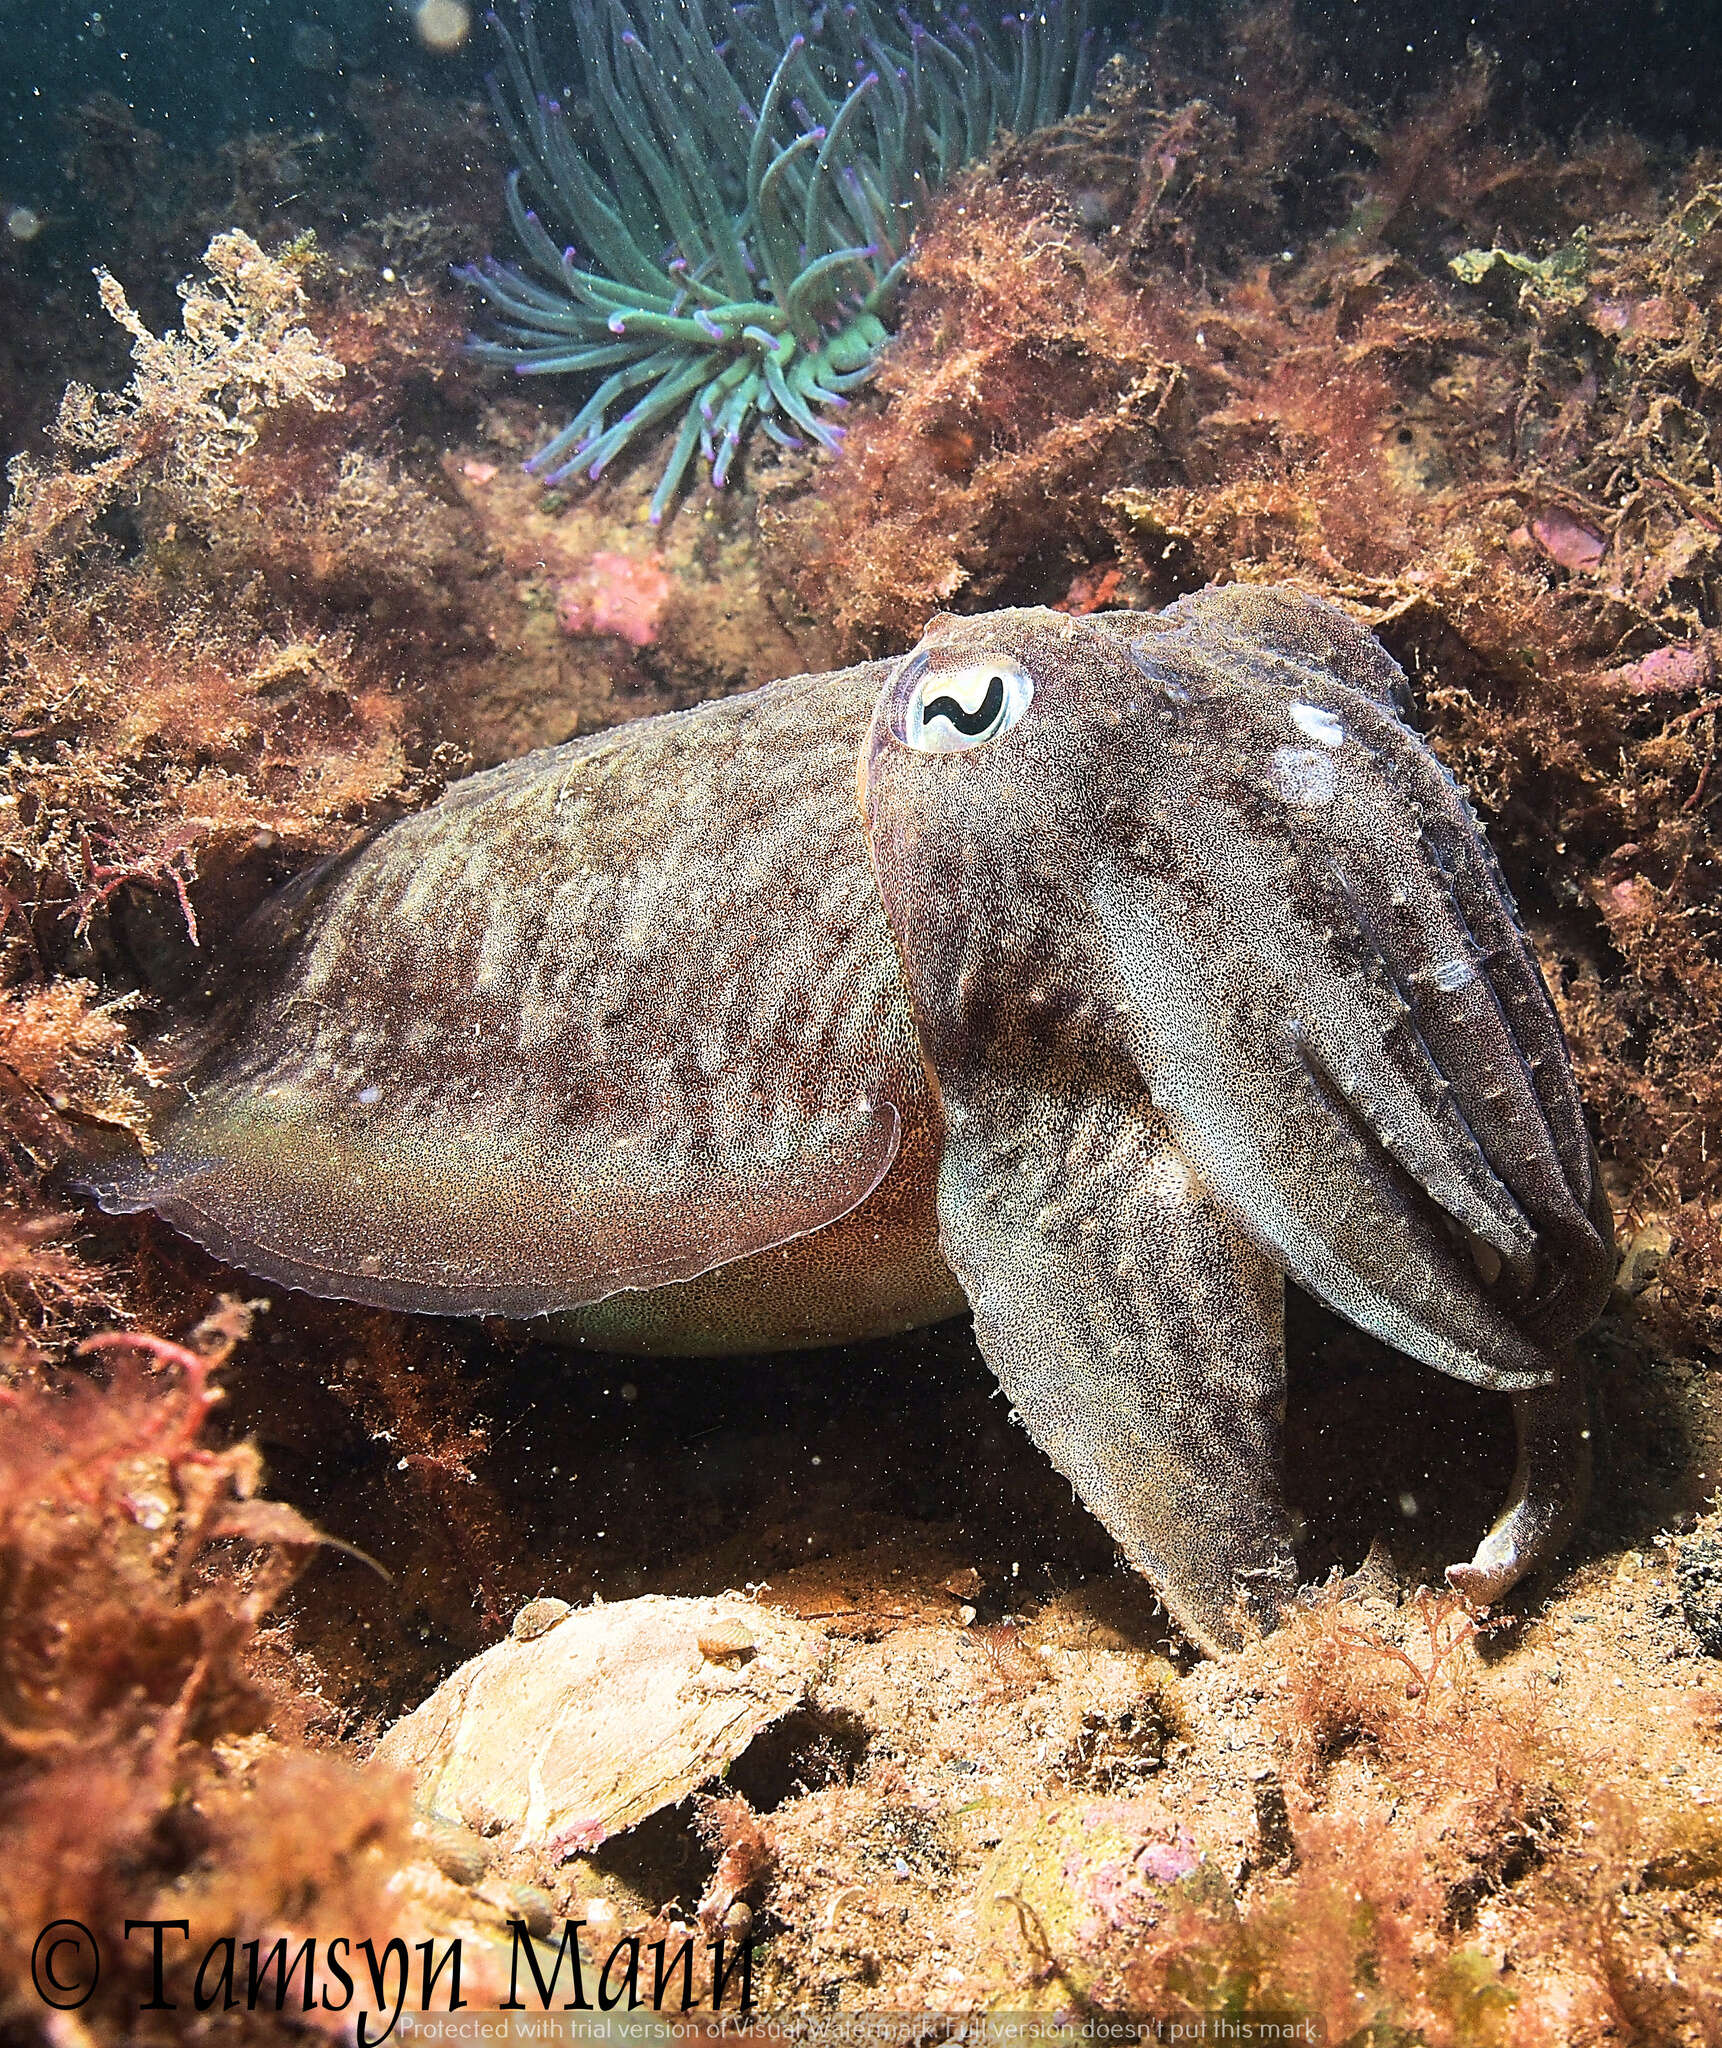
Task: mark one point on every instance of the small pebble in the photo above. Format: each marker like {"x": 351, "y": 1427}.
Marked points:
{"x": 727, "y": 1640}
{"x": 533, "y": 1908}
{"x": 538, "y": 1618}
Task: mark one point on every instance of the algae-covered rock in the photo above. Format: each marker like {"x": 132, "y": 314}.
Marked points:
{"x": 566, "y": 1737}
{"x": 1544, "y": 285}
{"x": 1067, "y": 1882}
{"x": 1698, "y": 1570}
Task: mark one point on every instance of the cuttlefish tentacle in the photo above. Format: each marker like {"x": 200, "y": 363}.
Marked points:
{"x": 1551, "y": 1486}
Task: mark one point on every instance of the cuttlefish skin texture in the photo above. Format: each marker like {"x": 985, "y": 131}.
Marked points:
{"x": 1161, "y": 961}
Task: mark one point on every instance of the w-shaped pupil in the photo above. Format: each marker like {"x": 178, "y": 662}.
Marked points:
{"x": 971, "y": 724}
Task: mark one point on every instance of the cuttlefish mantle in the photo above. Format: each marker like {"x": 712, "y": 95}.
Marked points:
{"x": 1160, "y": 962}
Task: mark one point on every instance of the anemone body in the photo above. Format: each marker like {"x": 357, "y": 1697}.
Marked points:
{"x": 714, "y": 219}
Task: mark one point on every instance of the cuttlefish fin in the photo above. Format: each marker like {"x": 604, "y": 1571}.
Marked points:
{"x": 1139, "y": 1338}
{"x": 510, "y": 1220}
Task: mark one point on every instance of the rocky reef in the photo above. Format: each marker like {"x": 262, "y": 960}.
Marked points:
{"x": 273, "y": 571}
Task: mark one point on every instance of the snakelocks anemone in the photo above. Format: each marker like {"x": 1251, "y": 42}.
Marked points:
{"x": 715, "y": 216}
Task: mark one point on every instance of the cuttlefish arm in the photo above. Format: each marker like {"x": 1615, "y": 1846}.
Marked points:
{"x": 1435, "y": 1041}
{"x": 1331, "y": 999}
{"x": 1137, "y": 1333}
{"x": 1135, "y": 1329}
{"x": 1194, "y": 875}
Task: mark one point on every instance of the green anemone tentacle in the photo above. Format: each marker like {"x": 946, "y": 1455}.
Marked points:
{"x": 723, "y": 211}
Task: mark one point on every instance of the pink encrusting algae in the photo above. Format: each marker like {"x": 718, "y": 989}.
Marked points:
{"x": 622, "y": 595}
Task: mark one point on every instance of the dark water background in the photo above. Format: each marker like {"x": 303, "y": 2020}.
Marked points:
{"x": 205, "y": 70}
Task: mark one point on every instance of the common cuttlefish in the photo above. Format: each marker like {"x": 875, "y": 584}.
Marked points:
{"x": 1160, "y": 962}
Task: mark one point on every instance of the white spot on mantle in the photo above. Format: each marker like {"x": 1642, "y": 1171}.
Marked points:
{"x": 1303, "y": 777}
{"x": 1324, "y": 727}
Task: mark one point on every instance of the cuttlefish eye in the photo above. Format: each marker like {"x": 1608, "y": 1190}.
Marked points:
{"x": 948, "y": 709}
